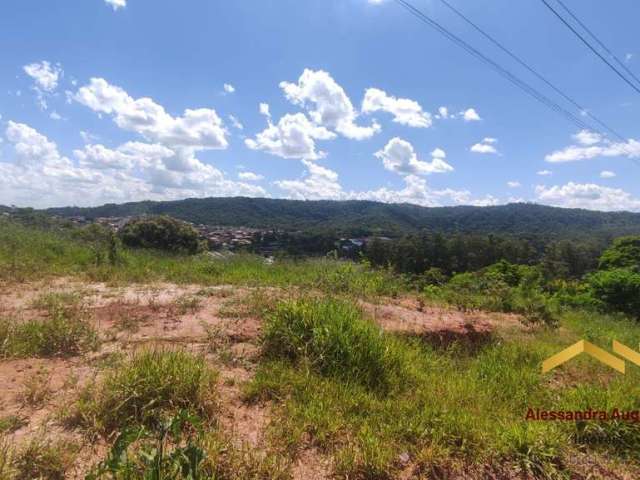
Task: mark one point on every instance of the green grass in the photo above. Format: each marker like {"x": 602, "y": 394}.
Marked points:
{"x": 368, "y": 399}
{"x": 42, "y": 459}
{"x": 146, "y": 387}
{"x": 36, "y": 390}
{"x": 456, "y": 405}
{"x": 29, "y": 253}
{"x": 179, "y": 448}
{"x": 334, "y": 340}
{"x": 60, "y": 335}
{"x": 66, "y": 330}
{"x": 11, "y": 423}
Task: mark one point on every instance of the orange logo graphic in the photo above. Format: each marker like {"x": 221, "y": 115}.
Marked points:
{"x": 598, "y": 353}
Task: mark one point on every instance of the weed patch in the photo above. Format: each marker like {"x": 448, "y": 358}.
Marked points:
{"x": 146, "y": 387}
{"x": 42, "y": 458}
{"x": 11, "y": 423}
{"x": 59, "y": 335}
{"x": 334, "y": 339}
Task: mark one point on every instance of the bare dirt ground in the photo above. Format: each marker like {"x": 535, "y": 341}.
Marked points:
{"x": 214, "y": 321}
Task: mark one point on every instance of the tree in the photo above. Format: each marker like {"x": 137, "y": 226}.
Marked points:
{"x": 162, "y": 233}
{"x": 103, "y": 243}
{"x": 617, "y": 288}
{"x": 624, "y": 253}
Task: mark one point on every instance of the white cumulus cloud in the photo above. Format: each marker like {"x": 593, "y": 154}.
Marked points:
{"x": 589, "y": 195}
{"x": 405, "y": 111}
{"x": 319, "y": 183}
{"x": 294, "y": 136}
{"x": 587, "y": 137}
{"x": 39, "y": 175}
{"x": 44, "y": 74}
{"x": 116, "y": 4}
{"x": 198, "y": 129}
{"x": 235, "y": 122}
{"x": 323, "y": 183}
{"x": 327, "y": 104}
{"x": 487, "y": 145}
{"x": 250, "y": 176}
{"x": 399, "y": 156}
{"x": 470, "y": 115}
{"x": 592, "y": 145}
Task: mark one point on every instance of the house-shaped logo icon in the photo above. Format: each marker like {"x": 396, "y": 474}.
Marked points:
{"x": 598, "y": 353}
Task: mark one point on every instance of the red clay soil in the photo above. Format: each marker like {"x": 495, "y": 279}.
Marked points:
{"x": 437, "y": 325}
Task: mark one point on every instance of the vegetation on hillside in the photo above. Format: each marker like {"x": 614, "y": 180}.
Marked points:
{"x": 160, "y": 233}
{"x": 365, "y": 218}
{"x": 377, "y": 403}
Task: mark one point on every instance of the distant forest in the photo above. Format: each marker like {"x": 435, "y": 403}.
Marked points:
{"x": 364, "y": 218}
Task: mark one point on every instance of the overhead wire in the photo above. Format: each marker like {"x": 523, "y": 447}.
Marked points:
{"x": 602, "y": 45}
{"x": 591, "y": 47}
{"x": 531, "y": 91}
{"x": 533, "y": 71}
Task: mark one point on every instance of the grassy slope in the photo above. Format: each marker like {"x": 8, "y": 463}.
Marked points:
{"x": 322, "y": 358}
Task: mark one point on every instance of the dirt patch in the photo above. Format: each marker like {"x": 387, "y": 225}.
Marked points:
{"x": 311, "y": 465}
{"x": 437, "y": 325}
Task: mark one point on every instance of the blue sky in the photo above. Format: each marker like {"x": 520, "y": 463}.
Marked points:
{"x": 120, "y": 100}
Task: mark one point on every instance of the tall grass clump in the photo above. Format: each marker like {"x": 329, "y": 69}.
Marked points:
{"x": 64, "y": 333}
{"x": 146, "y": 387}
{"x": 43, "y": 459}
{"x": 333, "y": 338}
{"x": 179, "y": 448}
{"x": 28, "y": 252}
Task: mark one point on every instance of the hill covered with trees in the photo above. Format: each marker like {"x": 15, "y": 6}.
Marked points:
{"x": 366, "y": 218}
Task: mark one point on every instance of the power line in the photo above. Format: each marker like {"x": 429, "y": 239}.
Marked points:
{"x": 604, "y": 47}
{"x": 532, "y": 70}
{"x": 591, "y": 47}
{"x": 611, "y": 54}
{"x": 531, "y": 91}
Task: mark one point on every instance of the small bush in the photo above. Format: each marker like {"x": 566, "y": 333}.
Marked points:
{"x": 619, "y": 289}
{"x": 37, "y": 390}
{"x": 624, "y": 253}
{"x": 179, "y": 449}
{"x": 161, "y": 233}
{"x": 188, "y": 304}
{"x": 44, "y": 459}
{"x": 576, "y": 295}
{"x": 60, "y": 335}
{"x": 334, "y": 338}
{"x": 7, "y": 470}
{"x": 358, "y": 279}
{"x": 149, "y": 385}
{"x": 502, "y": 287}
{"x": 69, "y": 302}
{"x": 10, "y": 424}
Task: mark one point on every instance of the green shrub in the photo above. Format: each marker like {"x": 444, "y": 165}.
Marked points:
{"x": 502, "y": 287}
{"x": 145, "y": 388}
{"x": 618, "y": 289}
{"x": 44, "y": 459}
{"x": 178, "y": 448}
{"x": 11, "y": 423}
{"x": 102, "y": 241}
{"x": 64, "y": 333}
{"x": 572, "y": 294}
{"x": 624, "y": 253}
{"x": 346, "y": 277}
{"x": 336, "y": 341}
{"x": 161, "y": 233}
